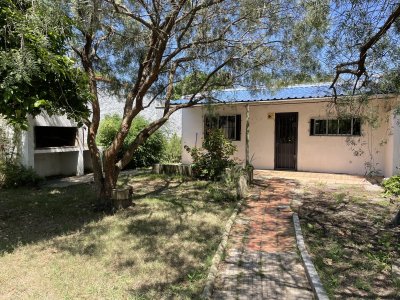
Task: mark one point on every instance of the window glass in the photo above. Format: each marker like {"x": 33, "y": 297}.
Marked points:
{"x": 211, "y": 122}
{"x": 336, "y": 127}
{"x": 231, "y": 131}
{"x": 332, "y": 126}
{"x": 320, "y": 127}
{"x": 223, "y": 121}
{"x": 345, "y": 126}
{"x": 356, "y": 126}
{"x": 228, "y": 124}
{"x": 223, "y": 124}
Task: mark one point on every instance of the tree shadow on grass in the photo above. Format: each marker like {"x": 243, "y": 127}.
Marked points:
{"x": 33, "y": 215}
{"x": 173, "y": 226}
{"x": 174, "y": 222}
{"x": 352, "y": 243}
{"x": 153, "y": 233}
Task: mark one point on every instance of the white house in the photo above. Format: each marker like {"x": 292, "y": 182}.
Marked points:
{"x": 296, "y": 128}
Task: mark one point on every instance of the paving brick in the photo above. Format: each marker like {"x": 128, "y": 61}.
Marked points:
{"x": 261, "y": 261}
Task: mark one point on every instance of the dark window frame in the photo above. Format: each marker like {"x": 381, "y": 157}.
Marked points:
{"x": 353, "y": 131}
{"x": 215, "y": 122}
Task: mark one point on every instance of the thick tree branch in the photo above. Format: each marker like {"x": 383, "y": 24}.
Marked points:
{"x": 359, "y": 69}
{"x": 122, "y": 9}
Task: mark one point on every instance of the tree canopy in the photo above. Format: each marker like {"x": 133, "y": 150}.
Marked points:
{"x": 35, "y": 70}
{"x": 163, "y": 49}
{"x": 157, "y": 48}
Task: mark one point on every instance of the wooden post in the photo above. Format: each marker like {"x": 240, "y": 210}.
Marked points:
{"x": 248, "y": 166}
{"x": 247, "y": 135}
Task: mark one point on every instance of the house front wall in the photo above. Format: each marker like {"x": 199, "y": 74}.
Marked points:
{"x": 365, "y": 154}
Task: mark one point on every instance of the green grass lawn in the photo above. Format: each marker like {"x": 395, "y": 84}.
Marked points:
{"x": 353, "y": 246}
{"x": 54, "y": 246}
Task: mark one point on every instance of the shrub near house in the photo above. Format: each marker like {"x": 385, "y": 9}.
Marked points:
{"x": 12, "y": 173}
{"x": 211, "y": 161}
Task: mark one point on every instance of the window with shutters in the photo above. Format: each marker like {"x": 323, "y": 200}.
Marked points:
{"x": 230, "y": 125}
{"x": 335, "y": 127}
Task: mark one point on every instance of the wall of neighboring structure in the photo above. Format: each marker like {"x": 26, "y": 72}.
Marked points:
{"x": 336, "y": 154}
{"x": 111, "y": 105}
{"x": 71, "y": 160}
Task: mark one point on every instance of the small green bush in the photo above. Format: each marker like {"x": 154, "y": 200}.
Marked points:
{"x": 173, "y": 150}
{"x": 146, "y": 155}
{"x": 210, "y": 162}
{"x": 392, "y": 185}
{"x": 14, "y": 175}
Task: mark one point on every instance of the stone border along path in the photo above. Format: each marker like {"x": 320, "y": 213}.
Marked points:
{"x": 311, "y": 272}
{"x": 261, "y": 260}
{"x": 207, "y": 291}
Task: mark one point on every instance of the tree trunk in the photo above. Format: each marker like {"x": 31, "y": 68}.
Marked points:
{"x": 97, "y": 172}
{"x": 104, "y": 173}
{"x": 111, "y": 173}
{"x": 396, "y": 220}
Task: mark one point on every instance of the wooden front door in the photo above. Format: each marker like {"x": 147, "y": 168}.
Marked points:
{"x": 286, "y": 141}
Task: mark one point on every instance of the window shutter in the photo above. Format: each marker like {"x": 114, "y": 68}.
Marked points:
{"x": 238, "y": 126}
{"x": 312, "y": 127}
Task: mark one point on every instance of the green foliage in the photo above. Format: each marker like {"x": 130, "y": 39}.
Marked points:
{"x": 35, "y": 71}
{"x": 191, "y": 84}
{"x": 14, "y": 175}
{"x": 10, "y": 142}
{"x": 392, "y": 185}
{"x": 147, "y": 154}
{"x": 232, "y": 175}
{"x": 173, "y": 150}
{"x": 211, "y": 161}
{"x": 221, "y": 193}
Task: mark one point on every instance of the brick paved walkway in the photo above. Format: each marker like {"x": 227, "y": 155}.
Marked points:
{"x": 261, "y": 260}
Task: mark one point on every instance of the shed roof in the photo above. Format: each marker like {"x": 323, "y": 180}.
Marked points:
{"x": 294, "y": 92}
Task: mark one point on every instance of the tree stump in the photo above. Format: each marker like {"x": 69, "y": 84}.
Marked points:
{"x": 173, "y": 169}
{"x": 122, "y": 197}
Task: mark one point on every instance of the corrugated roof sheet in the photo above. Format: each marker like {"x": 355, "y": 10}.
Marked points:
{"x": 305, "y": 91}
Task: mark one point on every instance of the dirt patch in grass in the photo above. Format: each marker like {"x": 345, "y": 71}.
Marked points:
{"x": 53, "y": 245}
{"x": 353, "y": 246}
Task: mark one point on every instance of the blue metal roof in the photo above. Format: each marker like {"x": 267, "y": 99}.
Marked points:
{"x": 305, "y": 91}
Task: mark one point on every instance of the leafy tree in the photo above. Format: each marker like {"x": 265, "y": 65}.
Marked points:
{"x": 35, "y": 71}
{"x": 364, "y": 48}
{"x": 190, "y": 84}
{"x": 173, "y": 150}
{"x": 149, "y": 153}
{"x": 145, "y": 48}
